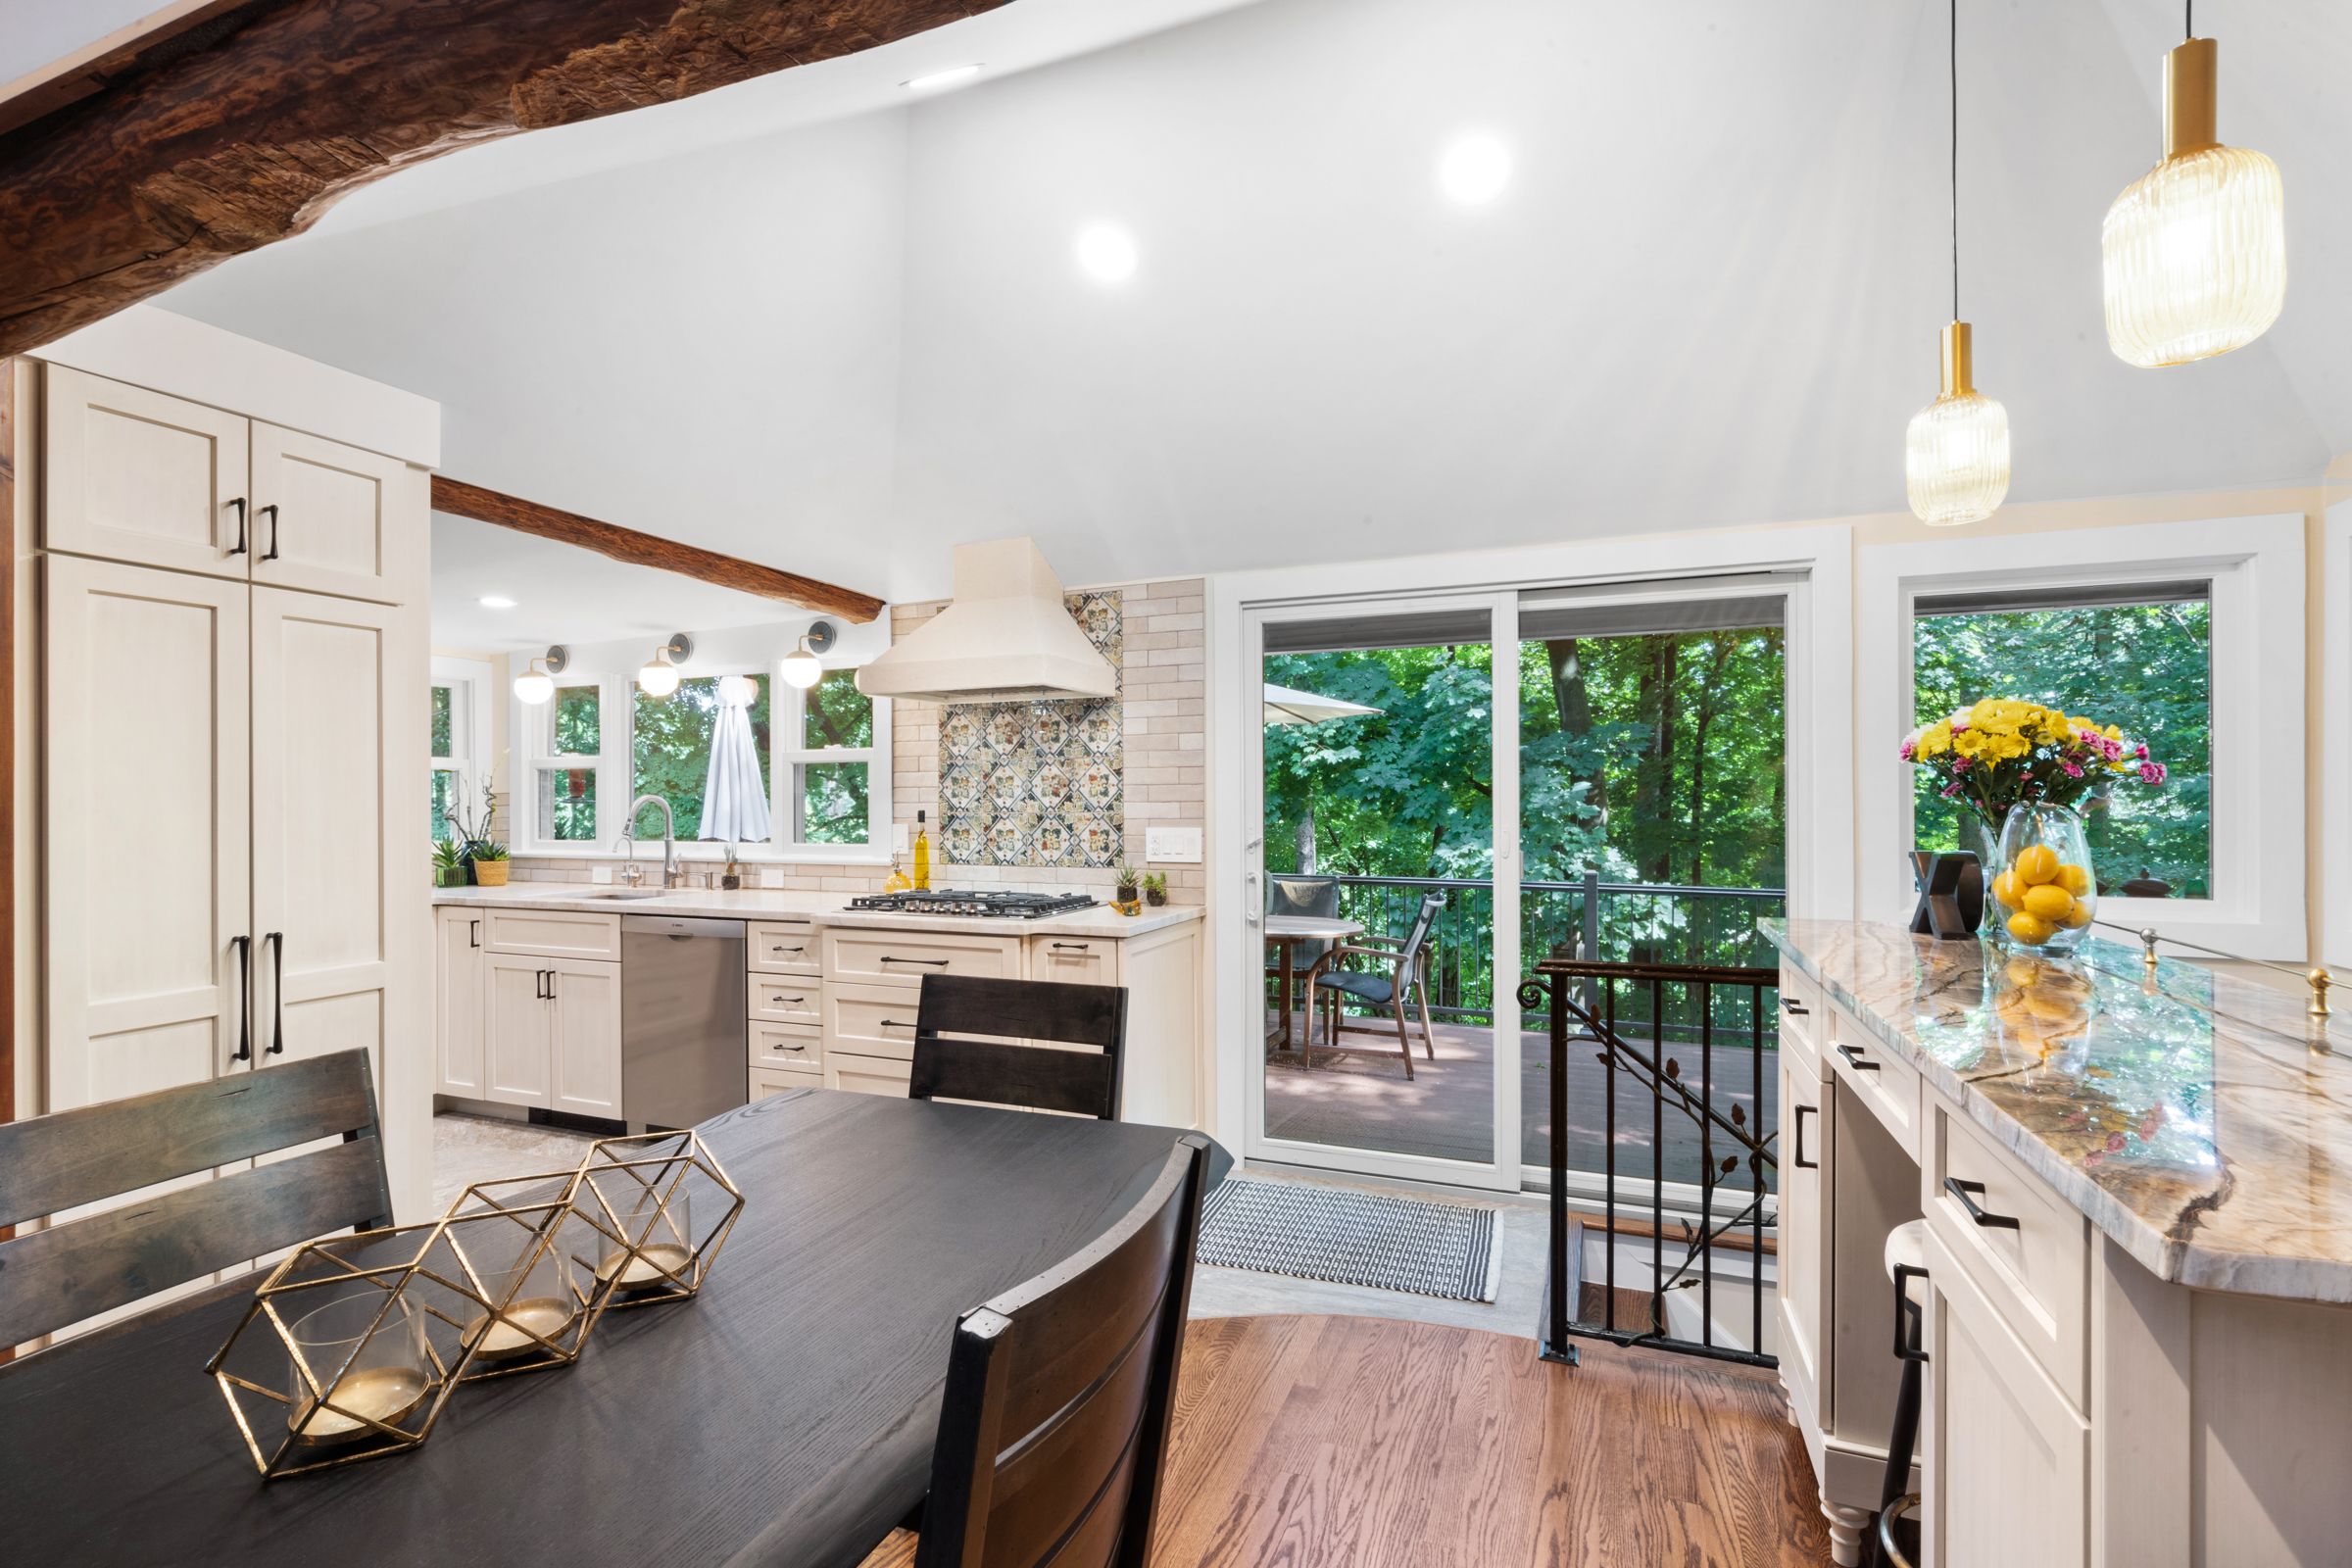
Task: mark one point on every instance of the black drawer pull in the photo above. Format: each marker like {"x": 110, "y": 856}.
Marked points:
{"x": 786, "y": 998}
{"x": 892, "y": 1024}
{"x": 1961, "y": 1190}
{"x": 1080, "y": 945}
{"x": 796, "y": 1049}
{"x": 1854, "y": 1056}
{"x": 1791, "y": 1005}
{"x": 1801, "y": 1160}
{"x": 936, "y": 963}
{"x": 788, "y": 950}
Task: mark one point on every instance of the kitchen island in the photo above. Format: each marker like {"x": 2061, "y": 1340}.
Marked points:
{"x": 528, "y": 1013}
{"x": 2137, "y": 1189}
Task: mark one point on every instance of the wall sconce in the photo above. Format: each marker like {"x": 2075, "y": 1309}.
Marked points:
{"x": 536, "y": 685}
{"x": 661, "y": 676}
{"x": 801, "y": 667}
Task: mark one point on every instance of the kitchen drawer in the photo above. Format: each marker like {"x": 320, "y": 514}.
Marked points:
{"x": 868, "y": 1075}
{"x": 787, "y": 1047}
{"x": 889, "y": 959}
{"x": 782, "y": 947}
{"x": 553, "y": 934}
{"x": 2035, "y": 1275}
{"x": 1075, "y": 960}
{"x": 1879, "y": 1079}
{"x": 1801, "y": 1019}
{"x": 785, "y": 997}
{"x": 870, "y": 1020}
{"x": 765, "y": 1082}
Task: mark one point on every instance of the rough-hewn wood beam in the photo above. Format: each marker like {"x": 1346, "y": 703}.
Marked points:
{"x": 461, "y": 500}
{"x": 249, "y": 140}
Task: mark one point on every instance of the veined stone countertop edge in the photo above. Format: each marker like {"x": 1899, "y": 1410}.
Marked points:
{"x": 818, "y": 908}
{"x": 2240, "y": 1232}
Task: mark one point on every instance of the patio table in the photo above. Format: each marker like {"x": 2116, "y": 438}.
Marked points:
{"x": 1286, "y": 931}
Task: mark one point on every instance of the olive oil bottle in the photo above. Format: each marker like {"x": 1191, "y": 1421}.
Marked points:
{"x": 922, "y": 854}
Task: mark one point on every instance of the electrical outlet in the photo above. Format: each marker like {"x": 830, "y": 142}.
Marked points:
{"x": 1175, "y": 846}
{"x": 771, "y": 877}
{"x": 600, "y": 874}
{"x": 897, "y": 837}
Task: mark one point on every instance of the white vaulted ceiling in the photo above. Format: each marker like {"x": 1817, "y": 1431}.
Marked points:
{"x": 1710, "y": 295}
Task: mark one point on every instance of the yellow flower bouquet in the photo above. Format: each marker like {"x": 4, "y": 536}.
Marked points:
{"x": 2005, "y": 751}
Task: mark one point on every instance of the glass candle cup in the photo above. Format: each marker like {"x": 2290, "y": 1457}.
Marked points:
{"x": 383, "y": 1375}
{"x": 660, "y": 1239}
{"x": 533, "y": 1296}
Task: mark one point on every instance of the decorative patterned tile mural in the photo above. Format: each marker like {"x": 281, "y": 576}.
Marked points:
{"x": 1037, "y": 783}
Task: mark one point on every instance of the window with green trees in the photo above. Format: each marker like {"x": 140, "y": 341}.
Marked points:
{"x": 670, "y": 737}
{"x": 2143, "y": 665}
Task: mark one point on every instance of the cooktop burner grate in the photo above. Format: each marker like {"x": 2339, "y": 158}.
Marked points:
{"x": 994, "y": 906}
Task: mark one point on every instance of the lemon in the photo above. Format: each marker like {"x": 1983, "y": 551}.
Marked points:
{"x": 2049, "y": 902}
{"x": 2031, "y": 929}
{"x": 2035, "y": 863}
{"x": 2077, "y": 918}
{"x": 2054, "y": 1005}
{"x": 2025, "y": 971}
{"x": 2006, "y": 890}
{"x": 2075, "y": 879}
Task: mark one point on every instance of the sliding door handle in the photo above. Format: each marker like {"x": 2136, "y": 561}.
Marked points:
{"x": 238, "y": 548}
{"x": 277, "y": 991}
{"x": 244, "y": 947}
{"x": 271, "y": 511}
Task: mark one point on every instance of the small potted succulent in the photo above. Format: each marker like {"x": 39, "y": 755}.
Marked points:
{"x": 449, "y": 863}
{"x": 490, "y": 865}
{"x": 1156, "y": 888}
{"x": 1128, "y": 901}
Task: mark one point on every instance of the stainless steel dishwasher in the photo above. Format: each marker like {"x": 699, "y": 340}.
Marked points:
{"x": 685, "y": 1052}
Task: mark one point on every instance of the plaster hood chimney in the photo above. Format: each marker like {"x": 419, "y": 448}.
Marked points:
{"x": 1006, "y": 637}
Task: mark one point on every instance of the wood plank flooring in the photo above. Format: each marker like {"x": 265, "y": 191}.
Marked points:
{"x": 1369, "y": 1442}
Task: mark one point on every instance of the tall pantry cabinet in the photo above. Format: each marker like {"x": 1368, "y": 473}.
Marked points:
{"x": 234, "y": 680}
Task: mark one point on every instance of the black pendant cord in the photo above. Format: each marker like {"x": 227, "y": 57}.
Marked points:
{"x": 2188, "y": 17}
{"x": 1955, "y": 63}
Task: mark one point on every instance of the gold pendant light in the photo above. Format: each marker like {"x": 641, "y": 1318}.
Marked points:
{"x": 1956, "y": 453}
{"x": 2196, "y": 252}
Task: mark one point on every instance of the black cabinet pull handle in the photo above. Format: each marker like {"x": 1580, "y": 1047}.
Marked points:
{"x": 1801, "y": 1160}
{"x": 244, "y": 947}
{"x": 1860, "y": 1063}
{"x": 1080, "y": 945}
{"x": 1791, "y": 1005}
{"x": 892, "y": 1024}
{"x": 1907, "y": 1335}
{"x": 1961, "y": 1190}
{"x": 785, "y": 999}
{"x": 788, "y": 950}
{"x": 277, "y": 991}
{"x": 238, "y": 548}
{"x": 936, "y": 963}
{"x": 271, "y": 509}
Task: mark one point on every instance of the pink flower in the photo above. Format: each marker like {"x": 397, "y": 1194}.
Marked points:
{"x": 1910, "y": 744}
{"x": 2114, "y": 1142}
{"x": 2152, "y": 774}
{"x": 2143, "y": 752}
{"x": 2072, "y": 771}
{"x": 2094, "y": 1157}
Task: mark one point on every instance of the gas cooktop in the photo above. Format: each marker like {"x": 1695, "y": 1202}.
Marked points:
{"x": 995, "y": 905}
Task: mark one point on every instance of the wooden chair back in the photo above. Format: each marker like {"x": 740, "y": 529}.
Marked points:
{"x": 61, "y": 1274}
{"x": 1054, "y": 1427}
{"x": 1001, "y": 1074}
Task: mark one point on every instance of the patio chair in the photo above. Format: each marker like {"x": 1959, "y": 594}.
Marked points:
{"x": 1407, "y": 962}
{"x": 1297, "y": 893}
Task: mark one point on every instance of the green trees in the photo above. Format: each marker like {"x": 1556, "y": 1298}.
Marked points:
{"x": 671, "y": 739}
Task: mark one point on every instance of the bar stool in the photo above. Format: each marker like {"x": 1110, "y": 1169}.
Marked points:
{"x": 1907, "y": 1266}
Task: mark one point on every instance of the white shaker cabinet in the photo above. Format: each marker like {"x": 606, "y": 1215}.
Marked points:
{"x": 326, "y": 518}
{"x": 462, "y": 968}
{"x": 518, "y": 1031}
{"x": 552, "y": 1034}
{"x": 133, "y": 475}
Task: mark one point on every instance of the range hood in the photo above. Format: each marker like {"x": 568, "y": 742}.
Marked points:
{"x": 1007, "y": 638}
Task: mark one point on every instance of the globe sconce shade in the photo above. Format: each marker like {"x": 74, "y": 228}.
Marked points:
{"x": 659, "y": 676}
{"x": 536, "y": 685}
{"x": 2195, "y": 253}
{"x": 801, "y": 667}
{"x": 1956, "y": 453}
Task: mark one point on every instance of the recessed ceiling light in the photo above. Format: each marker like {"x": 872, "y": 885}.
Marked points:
{"x": 495, "y": 602}
{"x": 1475, "y": 169}
{"x": 1107, "y": 253}
{"x": 940, "y": 78}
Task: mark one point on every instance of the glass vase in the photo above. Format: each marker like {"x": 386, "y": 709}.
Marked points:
{"x": 2044, "y": 889}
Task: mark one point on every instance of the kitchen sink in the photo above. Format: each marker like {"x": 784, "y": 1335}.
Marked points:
{"x": 625, "y": 892}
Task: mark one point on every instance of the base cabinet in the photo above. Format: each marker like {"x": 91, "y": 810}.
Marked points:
{"x": 458, "y": 1003}
{"x": 552, "y": 1034}
{"x": 867, "y": 1075}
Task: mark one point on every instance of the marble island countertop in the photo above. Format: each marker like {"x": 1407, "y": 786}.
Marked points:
{"x": 823, "y": 908}
{"x": 2200, "y": 1120}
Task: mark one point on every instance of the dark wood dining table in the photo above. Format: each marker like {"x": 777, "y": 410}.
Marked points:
{"x": 786, "y": 1415}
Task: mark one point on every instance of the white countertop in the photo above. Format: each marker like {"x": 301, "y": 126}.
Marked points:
{"x": 820, "y": 908}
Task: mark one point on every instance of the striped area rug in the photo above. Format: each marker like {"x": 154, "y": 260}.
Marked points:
{"x": 1345, "y": 1237}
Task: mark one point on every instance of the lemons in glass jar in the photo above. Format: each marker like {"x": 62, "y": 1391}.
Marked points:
{"x": 2031, "y": 929}
{"x": 2035, "y": 863}
{"x": 2048, "y": 902}
{"x": 2075, "y": 879}
{"x": 2006, "y": 890}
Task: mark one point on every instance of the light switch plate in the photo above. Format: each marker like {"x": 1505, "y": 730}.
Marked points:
{"x": 600, "y": 874}
{"x": 1175, "y": 846}
{"x": 897, "y": 840}
{"x": 771, "y": 877}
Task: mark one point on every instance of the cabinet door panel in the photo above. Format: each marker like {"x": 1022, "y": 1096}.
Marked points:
{"x": 519, "y": 1037}
{"x": 458, "y": 1029}
{"x": 1074, "y": 960}
{"x": 867, "y": 1075}
{"x": 1803, "y": 1223}
{"x": 342, "y": 523}
{"x": 133, "y": 475}
{"x": 147, "y": 832}
{"x": 587, "y": 1038}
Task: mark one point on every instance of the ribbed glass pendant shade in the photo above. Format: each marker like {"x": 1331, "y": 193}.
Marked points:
{"x": 2195, "y": 251}
{"x": 1956, "y": 453}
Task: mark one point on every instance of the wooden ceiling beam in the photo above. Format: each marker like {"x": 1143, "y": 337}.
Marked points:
{"x": 461, "y": 500}
{"x": 192, "y": 155}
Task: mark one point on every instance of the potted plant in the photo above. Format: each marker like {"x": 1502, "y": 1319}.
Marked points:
{"x": 449, "y": 863}
{"x": 490, "y": 865}
{"x": 1156, "y": 888}
{"x": 1127, "y": 902}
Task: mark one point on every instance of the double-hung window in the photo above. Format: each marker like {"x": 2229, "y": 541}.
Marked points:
{"x": 461, "y": 729}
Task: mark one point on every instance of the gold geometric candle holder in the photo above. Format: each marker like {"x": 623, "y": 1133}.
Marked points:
{"x": 638, "y": 1194}
{"x": 529, "y": 1262}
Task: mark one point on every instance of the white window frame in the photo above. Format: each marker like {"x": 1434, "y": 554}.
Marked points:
{"x": 614, "y": 765}
{"x": 2335, "y": 730}
{"x": 2256, "y": 565}
{"x": 468, "y": 681}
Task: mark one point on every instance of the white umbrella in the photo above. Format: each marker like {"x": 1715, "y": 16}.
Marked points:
{"x": 734, "y": 800}
{"x": 1287, "y": 706}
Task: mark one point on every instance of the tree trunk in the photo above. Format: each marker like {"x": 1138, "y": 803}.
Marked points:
{"x": 1306, "y": 842}
{"x": 1575, "y": 706}
{"x": 1654, "y": 781}
{"x": 1709, "y": 698}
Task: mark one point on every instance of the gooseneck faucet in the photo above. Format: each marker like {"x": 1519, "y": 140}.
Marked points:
{"x": 669, "y": 836}
{"x": 630, "y": 872}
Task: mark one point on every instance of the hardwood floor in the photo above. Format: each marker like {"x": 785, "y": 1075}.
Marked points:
{"x": 1369, "y": 1442}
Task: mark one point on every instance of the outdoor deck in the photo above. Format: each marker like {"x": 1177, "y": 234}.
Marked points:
{"x": 1445, "y": 1110}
